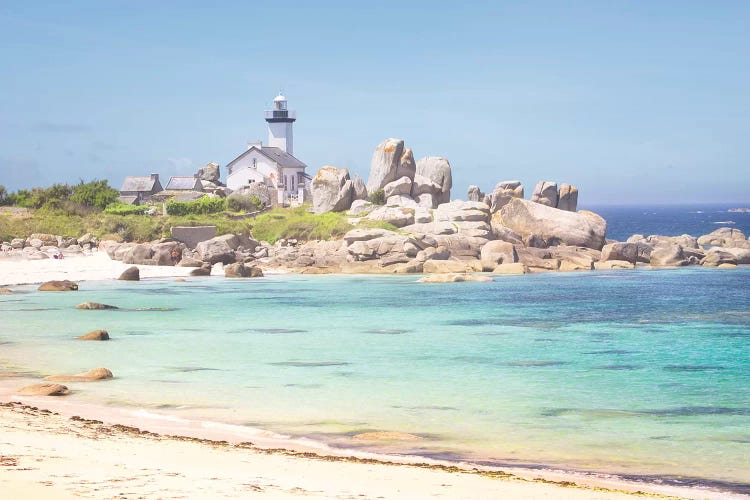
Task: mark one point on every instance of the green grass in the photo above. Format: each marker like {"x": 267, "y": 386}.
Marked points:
{"x": 271, "y": 226}
{"x": 138, "y": 228}
{"x": 299, "y": 224}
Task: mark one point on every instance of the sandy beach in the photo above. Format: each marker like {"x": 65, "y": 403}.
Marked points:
{"x": 46, "y": 454}
{"x": 62, "y": 448}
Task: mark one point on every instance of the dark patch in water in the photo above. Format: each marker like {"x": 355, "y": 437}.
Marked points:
{"x": 617, "y": 367}
{"x": 660, "y": 438}
{"x": 476, "y": 322}
{"x": 27, "y": 309}
{"x": 611, "y": 351}
{"x": 535, "y": 363}
{"x": 490, "y": 334}
{"x": 545, "y": 339}
{"x": 139, "y": 333}
{"x": 305, "y": 386}
{"x": 389, "y": 331}
{"x": 470, "y": 359}
{"x": 6, "y": 342}
{"x": 692, "y": 368}
{"x": 431, "y": 408}
{"x": 687, "y": 411}
{"x": 187, "y": 369}
{"x": 150, "y": 309}
{"x": 277, "y": 330}
{"x": 310, "y": 364}
{"x": 161, "y": 381}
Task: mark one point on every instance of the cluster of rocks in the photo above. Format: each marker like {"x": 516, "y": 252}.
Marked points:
{"x": 233, "y": 251}
{"x": 545, "y": 193}
{"x": 405, "y": 183}
{"x": 45, "y": 246}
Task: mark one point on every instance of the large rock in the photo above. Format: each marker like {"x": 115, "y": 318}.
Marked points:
{"x": 43, "y": 239}
{"x": 433, "y": 266}
{"x": 717, "y": 256}
{"x": 513, "y": 268}
{"x": 474, "y": 194}
{"x": 397, "y": 216}
{"x": 581, "y": 229}
{"x": 742, "y": 255}
{"x": 209, "y": 173}
{"x": 630, "y": 252}
{"x": 361, "y": 207}
{"x": 92, "y": 375}
{"x": 43, "y": 390}
{"x": 359, "y": 187}
{"x": 567, "y": 198}
{"x": 141, "y": 254}
{"x": 495, "y": 253}
{"x": 504, "y": 191}
{"x": 545, "y": 193}
{"x": 218, "y": 249}
{"x": 95, "y": 306}
{"x": 58, "y": 286}
{"x": 668, "y": 256}
{"x": 257, "y": 189}
{"x": 130, "y": 274}
{"x": 389, "y": 162}
{"x": 399, "y": 187}
{"x": 437, "y": 171}
{"x": 95, "y": 335}
{"x": 332, "y": 190}
{"x": 723, "y": 237}
{"x": 240, "y": 270}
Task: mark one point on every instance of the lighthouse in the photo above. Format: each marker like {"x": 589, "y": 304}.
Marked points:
{"x": 280, "y": 121}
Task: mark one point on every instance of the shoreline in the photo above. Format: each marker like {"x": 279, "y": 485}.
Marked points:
{"x": 58, "y": 419}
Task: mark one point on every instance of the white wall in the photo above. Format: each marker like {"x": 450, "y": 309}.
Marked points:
{"x": 280, "y": 136}
{"x": 243, "y": 171}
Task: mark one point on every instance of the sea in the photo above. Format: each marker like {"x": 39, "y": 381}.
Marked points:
{"x": 642, "y": 374}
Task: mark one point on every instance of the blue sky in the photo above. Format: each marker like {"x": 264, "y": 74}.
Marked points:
{"x": 633, "y": 102}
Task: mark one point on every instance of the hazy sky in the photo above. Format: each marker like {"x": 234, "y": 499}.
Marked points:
{"x": 632, "y": 101}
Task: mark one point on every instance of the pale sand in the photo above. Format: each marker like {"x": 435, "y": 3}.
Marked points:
{"x": 97, "y": 266}
{"x": 46, "y": 455}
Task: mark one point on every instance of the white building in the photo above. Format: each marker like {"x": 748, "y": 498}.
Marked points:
{"x": 275, "y": 164}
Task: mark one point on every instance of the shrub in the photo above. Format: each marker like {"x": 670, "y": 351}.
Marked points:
{"x": 124, "y": 209}
{"x": 378, "y": 197}
{"x": 244, "y": 203}
{"x": 203, "y": 205}
{"x": 96, "y": 193}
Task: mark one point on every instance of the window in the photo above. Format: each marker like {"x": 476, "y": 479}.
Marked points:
{"x": 255, "y": 163}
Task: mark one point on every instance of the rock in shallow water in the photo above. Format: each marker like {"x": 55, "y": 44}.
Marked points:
{"x": 44, "y": 390}
{"x": 130, "y": 274}
{"x": 454, "y": 278}
{"x": 58, "y": 286}
{"x": 90, "y": 376}
{"x": 95, "y": 335}
{"x": 92, "y": 306}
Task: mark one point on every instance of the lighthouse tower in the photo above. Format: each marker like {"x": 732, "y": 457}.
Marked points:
{"x": 280, "y": 121}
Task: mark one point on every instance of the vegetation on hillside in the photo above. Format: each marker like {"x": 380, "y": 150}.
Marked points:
{"x": 71, "y": 211}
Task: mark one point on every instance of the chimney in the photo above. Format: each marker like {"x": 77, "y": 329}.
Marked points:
{"x": 155, "y": 177}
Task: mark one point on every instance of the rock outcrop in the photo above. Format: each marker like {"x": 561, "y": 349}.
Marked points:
{"x": 58, "y": 286}
{"x": 494, "y": 253}
{"x": 43, "y": 390}
{"x": 130, "y": 274}
{"x": 630, "y": 252}
{"x": 474, "y": 194}
{"x": 723, "y": 237}
{"x": 454, "y": 278}
{"x": 92, "y": 375}
{"x": 240, "y": 270}
{"x": 209, "y": 173}
{"x": 95, "y": 335}
{"x": 390, "y": 161}
{"x": 332, "y": 190}
{"x": 360, "y": 189}
{"x": 534, "y": 220}
{"x": 567, "y": 198}
{"x": 545, "y": 193}
{"x": 257, "y": 189}
{"x": 94, "y": 306}
{"x": 668, "y": 256}
{"x": 504, "y": 191}
{"x": 433, "y": 177}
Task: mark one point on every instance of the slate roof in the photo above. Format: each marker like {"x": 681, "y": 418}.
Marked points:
{"x": 142, "y": 184}
{"x": 128, "y": 200}
{"x": 183, "y": 183}
{"x": 281, "y": 157}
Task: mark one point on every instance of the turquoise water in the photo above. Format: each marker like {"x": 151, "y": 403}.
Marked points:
{"x": 640, "y": 373}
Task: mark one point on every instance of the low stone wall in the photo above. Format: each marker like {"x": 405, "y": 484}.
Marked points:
{"x": 191, "y": 236}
